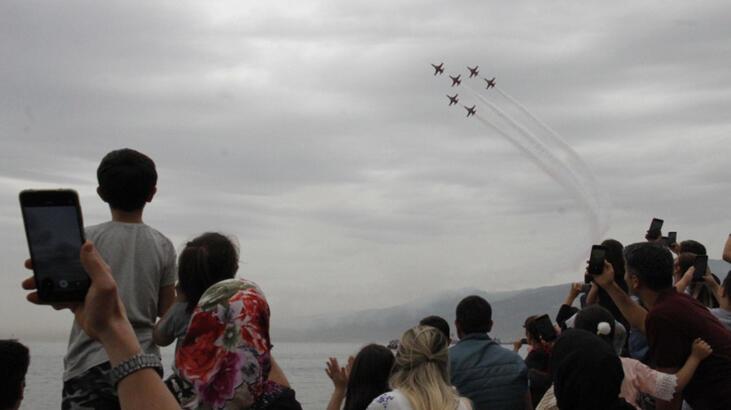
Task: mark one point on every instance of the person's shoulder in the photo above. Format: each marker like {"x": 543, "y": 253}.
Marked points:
{"x": 93, "y": 230}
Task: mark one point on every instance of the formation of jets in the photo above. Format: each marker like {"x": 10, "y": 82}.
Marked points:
{"x": 457, "y": 80}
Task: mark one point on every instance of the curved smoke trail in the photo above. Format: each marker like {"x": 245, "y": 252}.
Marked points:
{"x": 573, "y": 179}
{"x": 577, "y": 162}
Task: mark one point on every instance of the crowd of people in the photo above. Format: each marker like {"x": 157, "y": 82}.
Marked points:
{"x": 648, "y": 332}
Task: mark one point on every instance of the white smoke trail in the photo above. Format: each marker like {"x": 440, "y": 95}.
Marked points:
{"x": 576, "y": 161}
{"x": 553, "y": 165}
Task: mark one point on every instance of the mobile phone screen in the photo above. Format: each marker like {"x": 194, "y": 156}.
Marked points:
{"x": 672, "y": 237}
{"x": 700, "y": 266}
{"x": 596, "y": 259}
{"x": 55, "y": 239}
{"x": 656, "y": 225}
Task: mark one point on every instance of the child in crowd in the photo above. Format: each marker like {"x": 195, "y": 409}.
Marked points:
{"x": 639, "y": 378}
{"x": 206, "y": 260}
{"x": 142, "y": 262}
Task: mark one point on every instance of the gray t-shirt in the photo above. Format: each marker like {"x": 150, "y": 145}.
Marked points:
{"x": 175, "y": 323}
{"x": 142, "y": 262}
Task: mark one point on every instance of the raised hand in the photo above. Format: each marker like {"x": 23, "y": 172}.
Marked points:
{"x": 338, "y": 375}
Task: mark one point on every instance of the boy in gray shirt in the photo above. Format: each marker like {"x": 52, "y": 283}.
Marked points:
{"x": 143, "y": 265}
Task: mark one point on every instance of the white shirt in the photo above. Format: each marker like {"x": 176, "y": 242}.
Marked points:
{"x": 395, "y": 400}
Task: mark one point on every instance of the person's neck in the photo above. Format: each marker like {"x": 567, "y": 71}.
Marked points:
{"x": 649, "y": 298}
{"x": 133, "y": 217}
{"x": 725, "y": 304}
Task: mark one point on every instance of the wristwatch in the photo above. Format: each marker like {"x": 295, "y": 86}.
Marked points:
{"x": 135, "y": 363}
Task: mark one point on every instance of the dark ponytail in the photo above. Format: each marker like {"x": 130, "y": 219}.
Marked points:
{"x": 207, "y": 259}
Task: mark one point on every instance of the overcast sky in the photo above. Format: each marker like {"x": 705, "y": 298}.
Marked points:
{"x": 316, "y": 133}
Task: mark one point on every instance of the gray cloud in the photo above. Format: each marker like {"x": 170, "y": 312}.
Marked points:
{"x": 317, "y": 134}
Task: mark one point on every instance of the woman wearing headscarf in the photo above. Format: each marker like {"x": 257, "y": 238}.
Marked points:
{"x": 226, "y": 353}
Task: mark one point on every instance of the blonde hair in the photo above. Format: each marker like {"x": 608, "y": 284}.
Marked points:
{"x": 421, "y": 370}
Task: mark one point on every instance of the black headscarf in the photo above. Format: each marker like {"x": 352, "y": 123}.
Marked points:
{"x": 587, "y": 373}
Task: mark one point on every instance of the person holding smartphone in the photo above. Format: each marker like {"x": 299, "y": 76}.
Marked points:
{"x": 672, "y": 321}
{"x": 103, "y": 318}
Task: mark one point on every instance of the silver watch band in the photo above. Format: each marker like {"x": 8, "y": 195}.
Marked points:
{"x": 135, "y": 363}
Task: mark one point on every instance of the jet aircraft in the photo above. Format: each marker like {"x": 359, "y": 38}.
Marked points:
{"x": 470, "y": 110}
{"x": 473, "y": 71}
{"x": 453, "y": 99}
{"x": 490, "y": 83}
{"x": 456, "y": 80}
{"x": 438, "y": 69}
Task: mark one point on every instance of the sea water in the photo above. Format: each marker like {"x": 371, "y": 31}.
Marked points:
{"x": 303, "y": 363}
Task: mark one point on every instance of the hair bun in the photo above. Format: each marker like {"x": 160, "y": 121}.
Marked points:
{"x": 603, "y": 329}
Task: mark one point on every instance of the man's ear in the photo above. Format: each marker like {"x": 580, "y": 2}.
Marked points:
{"x": 152, "y": 194}
{"x": 100, "y": 193}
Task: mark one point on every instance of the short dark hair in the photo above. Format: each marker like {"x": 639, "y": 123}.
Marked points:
{"x": 437, "y": 322}
{"x": 652, "y": 263}
{"x": 14, "y": 361}
{"x": 690, "y": 245}
{"x": 474, "y": 315}
{"x": 126, "y": 179}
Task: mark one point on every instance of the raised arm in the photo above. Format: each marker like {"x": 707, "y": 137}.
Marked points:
{"x": 631, "y": 310}
{"x": 685, "y": 280}
{"x": 593, "y": 295}
{"x": 102, "y": 317}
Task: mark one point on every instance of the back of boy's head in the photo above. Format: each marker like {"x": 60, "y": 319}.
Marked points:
{"x": 474, "y": 315}
{"x": 14, "y": 361}
{"x": 652, "y": 263}
{"x": 127, "y": 179}
{"x": 437, "y": 322}
{"x": 206, "y": 260}
{"x": 690, "y": 245}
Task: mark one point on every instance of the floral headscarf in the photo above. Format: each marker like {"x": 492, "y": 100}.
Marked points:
{"x": 225, "y": 354}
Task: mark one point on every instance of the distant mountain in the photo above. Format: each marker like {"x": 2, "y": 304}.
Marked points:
{"x": 509, "y": 310}
{"x": 380, "y": 325}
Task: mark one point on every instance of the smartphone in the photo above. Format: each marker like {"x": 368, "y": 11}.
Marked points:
{"x": 596, "y": 260}
{"x": 672, "y": 238}
{"x": 55, "y": 232}
{"x": 700, "y": 265}
{"x": 545, "y": 328}
{"x": 656, "y": 225}
{"x": 523, "y": 341}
